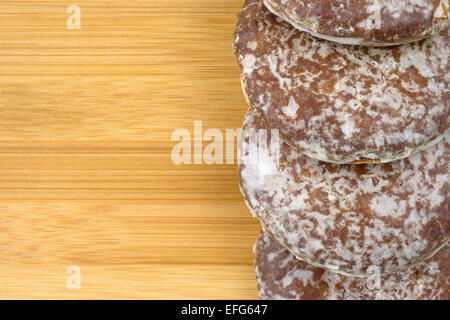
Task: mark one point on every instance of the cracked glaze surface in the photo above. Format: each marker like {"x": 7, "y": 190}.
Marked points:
{"x": 348, "y": 218}
{"x": 339, "y": 103}
{"x": 280, "y": 276}
{"x": 367, "y": 22}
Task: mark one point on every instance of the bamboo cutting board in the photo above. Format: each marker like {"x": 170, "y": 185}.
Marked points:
{"x": 86, "y": 177}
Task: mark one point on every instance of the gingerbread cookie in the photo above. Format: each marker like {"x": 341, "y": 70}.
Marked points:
{"x": 347, "y": 218}
{"x": 280, "y": 276}
{"x": 338, "y": 103}
{"x": 365, "y": 22}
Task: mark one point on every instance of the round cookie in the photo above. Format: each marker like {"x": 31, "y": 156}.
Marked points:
{"x": 347, "y": 218}
{"x": 282, "y": 277}
{"x": 365, "y": 22}
{"x": 340, "y": 103}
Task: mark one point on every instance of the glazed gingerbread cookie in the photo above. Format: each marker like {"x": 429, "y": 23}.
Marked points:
{"x": 365, "y": 22}
{"x": 282, "y": 277}
{"x": 339, "y": 103}
{"x": 347, "y": 218}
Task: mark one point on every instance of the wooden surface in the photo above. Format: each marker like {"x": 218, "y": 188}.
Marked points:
{"x": 86, "y": 177}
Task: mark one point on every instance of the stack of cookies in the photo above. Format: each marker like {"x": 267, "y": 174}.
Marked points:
{"x": 344, "y": 152}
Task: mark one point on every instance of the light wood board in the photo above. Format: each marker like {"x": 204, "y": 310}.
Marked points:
{"x": 86, "y": 176}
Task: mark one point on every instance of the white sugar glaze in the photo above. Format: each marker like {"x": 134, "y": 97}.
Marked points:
{"x": 280, "y": 276}
{"x": 422, "y": 17}
{"x": 343, "y": 104}
{"x": 350, "y": 218}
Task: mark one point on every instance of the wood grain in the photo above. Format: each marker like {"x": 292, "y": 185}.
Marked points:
{"x": 86, "y": 177}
